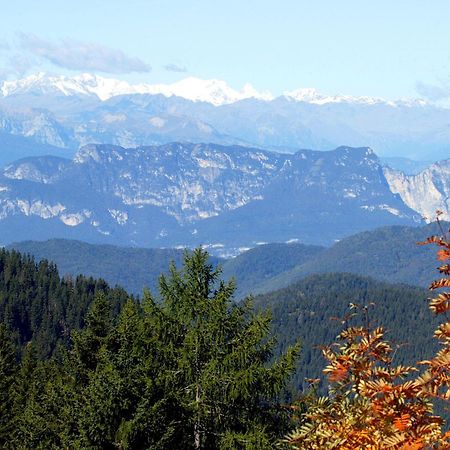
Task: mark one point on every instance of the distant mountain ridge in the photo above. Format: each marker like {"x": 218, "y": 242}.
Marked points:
{"x": 389, "y": 254}
{"x": 226, "y": 197}
{"x": 216, "y": 92}
{"x": 69, "y": 112}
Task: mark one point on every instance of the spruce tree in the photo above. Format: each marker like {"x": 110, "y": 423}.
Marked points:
{"x": 220, "y": 358}
{"x": 8, "y": 369}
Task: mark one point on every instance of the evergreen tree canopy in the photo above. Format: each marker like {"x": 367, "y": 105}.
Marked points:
{"x": 220, "y": 356}
{"x": 191, "y": 371}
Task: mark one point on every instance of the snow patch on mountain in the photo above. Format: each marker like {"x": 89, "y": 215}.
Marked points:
{"x": 214, "y": 91}
{"x": 121, "y": 217}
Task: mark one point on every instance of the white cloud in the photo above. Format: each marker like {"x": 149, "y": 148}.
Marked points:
{"x": 76, "y": 55}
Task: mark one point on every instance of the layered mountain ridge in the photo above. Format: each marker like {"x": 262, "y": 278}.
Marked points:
{"x": 69, "y": 112}
{"x": 225, "y": 197}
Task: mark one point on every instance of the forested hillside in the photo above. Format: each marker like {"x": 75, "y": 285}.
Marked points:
{"x": 192, "y": 371}
{"x": 388, "y": 254}
{"x": 258, "y": 266}
{"x": 132, "y": 268}
{"x": 137, "y": 268}
{"x": 314, "y": 310}
{"x": 40, "y": 307}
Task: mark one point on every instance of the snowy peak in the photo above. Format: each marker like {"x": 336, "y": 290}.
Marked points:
{"x": 84, "y": 84}
{"x": 311, "y": 95}
{"x": 216, "y": 92}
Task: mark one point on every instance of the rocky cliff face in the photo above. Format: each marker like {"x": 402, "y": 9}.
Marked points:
{"x": 188, "y": 194}
{"x": 190, "y": 182}
{"x": 426, "y": 192}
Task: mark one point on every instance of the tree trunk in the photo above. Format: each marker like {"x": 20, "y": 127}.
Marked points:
{"x": 197, "y": 441}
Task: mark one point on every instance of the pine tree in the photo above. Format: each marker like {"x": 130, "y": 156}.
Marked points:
{"x": 88, "y": 342}
{"x": 218, "y": 356}
{"x": 8, "y": 370}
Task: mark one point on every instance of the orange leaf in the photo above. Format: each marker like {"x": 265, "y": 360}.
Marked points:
{"x": 443, "y": 255}
{"x": 443, "y": 282}
{"x": 338, "y": 374}
{"x": 403, "y": 422}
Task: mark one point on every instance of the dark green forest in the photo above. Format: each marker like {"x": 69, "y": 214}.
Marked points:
{"x": 87, "y": 366}
{"x": 316, "y": 309}
{"x": 194, "y": 370}
{"x": 39, "y": 306}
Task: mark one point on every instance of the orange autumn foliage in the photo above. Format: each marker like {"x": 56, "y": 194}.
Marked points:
{"x": 373, "y": 404}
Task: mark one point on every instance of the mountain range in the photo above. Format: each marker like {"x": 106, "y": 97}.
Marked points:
{"x": 68, "y": 112}
{"x": 227, "y": 198}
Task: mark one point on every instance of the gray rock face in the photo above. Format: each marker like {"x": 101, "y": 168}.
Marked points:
{"x": 190, "y": 182}
{"x": 426, "y": 192}
{"x": 228, "y": 198}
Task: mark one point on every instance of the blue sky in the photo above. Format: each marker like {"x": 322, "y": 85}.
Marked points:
{"x": 381, "y": 48}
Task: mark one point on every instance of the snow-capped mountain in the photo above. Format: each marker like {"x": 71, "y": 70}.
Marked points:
{"x": 189, "y": 194}
{"x": 311, "y": 95}
{"x": 69, "y": 112}
{"x": 216, "y": 92}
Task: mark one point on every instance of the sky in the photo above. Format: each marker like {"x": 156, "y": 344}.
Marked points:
{"x": 380, "y": 48}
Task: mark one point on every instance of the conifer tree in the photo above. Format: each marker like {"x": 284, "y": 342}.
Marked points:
{"x": 218, "y": 355}
{"x": 8, "y": 370}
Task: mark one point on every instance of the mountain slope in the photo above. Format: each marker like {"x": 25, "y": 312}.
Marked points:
{"x": 252, "y": 268}
{"x": 137, "y": 268}
{"x": 389, "y": 253}
{"x": 304, "y": 311}
{"x": 316, "y": 198}
{"x": 132, "y": 268}
{"x": 425, "y": 192}
{"x": 227, "y": 198}
{"x": 13, "y": 147}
